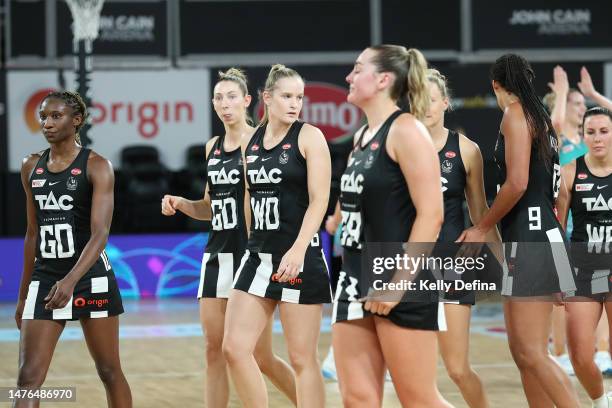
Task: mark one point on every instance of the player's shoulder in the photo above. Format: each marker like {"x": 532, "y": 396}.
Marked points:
{"x": 97, "y": 162}
{"x": 29, "y": 161}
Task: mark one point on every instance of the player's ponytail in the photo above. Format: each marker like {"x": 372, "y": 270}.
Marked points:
{"x": 277, "y": 72}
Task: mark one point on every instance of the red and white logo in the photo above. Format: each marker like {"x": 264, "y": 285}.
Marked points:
{"x": 38, "y": 183}
{"x": 581, "y": 176}
{"x": 75, "y": 172}
{"x": 217, "y": 152}
{"x": 255, "y": 148}
{"x": 325, "y": 107}
{"x": 584, "y": 187}
{"x": 374, "y": 145}
{"x": 287, "y": 146}
{"x": 450, "y": 154}
{"x": 39, "y": 170}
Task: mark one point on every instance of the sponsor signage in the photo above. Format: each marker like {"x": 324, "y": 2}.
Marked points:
{"x": 165, "y": 112}
{"x": 541, "y": 24}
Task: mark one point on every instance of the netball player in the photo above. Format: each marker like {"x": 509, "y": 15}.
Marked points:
{"x": 223, "y": 203}
{"x": 566, "y": 116}
{"x": 587, "y": 191}
{"x": 527, "y": 156}
{"x": 66, "y": 273}
{"x": 394, "y": 180}
{"x": 567, "y": 106}
{"x": 288, "y": 170}
{"x": 462, "y": 179}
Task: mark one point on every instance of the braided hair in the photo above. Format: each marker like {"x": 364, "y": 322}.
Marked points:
{"x": 75, "y": 102}
{"x": 515, "y": 75}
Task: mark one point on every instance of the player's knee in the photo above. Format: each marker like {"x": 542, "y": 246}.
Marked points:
{"x": 581, "y": 360}
{"x": 355, "y": 396}
{"x": 234, "y": 350}
{"x": 108, "y": 373}
{"x": 30, "y": 376}
{"x": 214, "y": 347}
{"x": 301, "y": 359}
{"x": 459, "y": 373}
{"x": 527, "y": 357}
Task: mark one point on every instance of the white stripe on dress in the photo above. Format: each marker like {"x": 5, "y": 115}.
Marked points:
{"x": 442, "y": 326}
{"x": 290, "y": 295}
{"x": 28, "y": 310}
{"x": 599, "y": 282}
{"x": 205, "y": 259}
{"x": 562, "y": 263}
{"x": 261, "y": 281}
{"x": 245, "y": 257}
{"x": 99, "y": 285}
{"x": 97, "y": 315}
{"x": 65, "y": 312}
{"x": 226, "y": 274}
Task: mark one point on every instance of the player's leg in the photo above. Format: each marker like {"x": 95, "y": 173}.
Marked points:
{"x": 212, "y": 318}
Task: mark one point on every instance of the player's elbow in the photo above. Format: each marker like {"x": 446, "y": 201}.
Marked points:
{"x": 518, "y": 185}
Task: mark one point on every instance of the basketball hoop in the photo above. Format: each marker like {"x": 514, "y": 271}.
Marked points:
{"x": 85, "y": 27}
{"x": 86, "y": 17}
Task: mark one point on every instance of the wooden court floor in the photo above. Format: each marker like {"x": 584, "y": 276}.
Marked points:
{"x": 163, "y": 358}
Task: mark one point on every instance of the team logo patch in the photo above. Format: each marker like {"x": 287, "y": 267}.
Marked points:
{"x": 450, "y": 154}
{"x": 255, "y": 148}
{"x": 584, "y": 187}
{"x": 79, "y": 302}
{"x": 581, "y": 176}
{"x": 251, "y": 159}
{"x": 38, "y": 183}
{"x": 75, "y": 172}
{"x": 287, "y": 146}
{"x": 446, "y": 166}
{"x": 374, "y": 145}
{"x": 212, "y": 162}
{"x": 39, "y": 170}
{"x": 283, "y": 158}
{"x": 369, "y": 161}
{"x": 71, "y": 183}
{"x": 217, "y": 152}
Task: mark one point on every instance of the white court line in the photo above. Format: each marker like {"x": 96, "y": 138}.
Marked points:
{"x": 176, "y": 374}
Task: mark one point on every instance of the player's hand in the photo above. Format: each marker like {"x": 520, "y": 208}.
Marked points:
{"x": 59, "y": 295}
{"x": 560, "y": 84}
{"x": 379, "y": 308}
{"x": 290, "y": 265}
{"x": 472, "y": 234}
{"x": 19, "y": 312}
{"x": 331, "y": 225}
{"x": 586, "y": 84}
{"x": 170, "y": 204}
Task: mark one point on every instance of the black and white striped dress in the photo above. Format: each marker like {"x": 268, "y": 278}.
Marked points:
{"x": 278, "y": 190}
{"x": 537, "y": 261}
{"x": 63, "y": 213}
{"x": 228, "y": 237}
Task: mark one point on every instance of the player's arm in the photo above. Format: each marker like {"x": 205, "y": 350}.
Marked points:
{"x": 102, "y": 178}
{"x": 474, "y": 185}
{"x": 314, "y": 148}
{"x": 518, "y": 154}
{"x": 560, "y": 87}
{"x": 247, "y": 197}
{"x": 568, "y": 172}
{"x": 588, "y": 89}
{"x": 29, "y": 244}
{"x": 197, "y": 209}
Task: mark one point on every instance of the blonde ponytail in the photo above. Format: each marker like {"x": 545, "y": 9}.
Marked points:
{"x": 277, "y": 71}
{"x": 418, "y": 92}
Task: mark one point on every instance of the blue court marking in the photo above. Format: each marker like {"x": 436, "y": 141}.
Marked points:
{"x": 148, "y": 331}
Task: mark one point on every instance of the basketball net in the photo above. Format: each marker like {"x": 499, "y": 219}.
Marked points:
{"x": 86, "y": 18}
{"x": 85, "y": 27}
